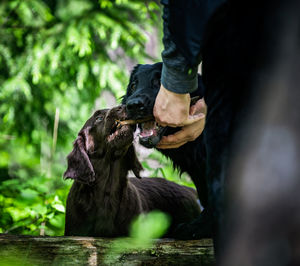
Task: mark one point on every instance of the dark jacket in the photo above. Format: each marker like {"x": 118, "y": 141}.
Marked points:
{"x": 184, "y": 29}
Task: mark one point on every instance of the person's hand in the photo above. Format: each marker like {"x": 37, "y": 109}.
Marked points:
{"x": 174, "y": 110}
{"x": 188, "y": 132}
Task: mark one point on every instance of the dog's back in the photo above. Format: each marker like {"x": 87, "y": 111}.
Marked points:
{"x": 180, "y": 202}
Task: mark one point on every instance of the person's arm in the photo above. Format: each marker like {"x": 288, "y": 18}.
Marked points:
{"x": 178, "y": 75}
{"x": 172, "y": 105}
{"x": 184, "y": 25}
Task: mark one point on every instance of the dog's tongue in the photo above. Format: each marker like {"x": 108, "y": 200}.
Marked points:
{"x": 148, "y": 129}
{"x": 147, "y": 133}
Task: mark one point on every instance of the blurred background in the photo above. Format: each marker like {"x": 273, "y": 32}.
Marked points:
{"x": 59, "y": 61}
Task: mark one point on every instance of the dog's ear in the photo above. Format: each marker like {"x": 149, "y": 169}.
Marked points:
{"x": 79, "y": 165}
{"x": 133, "y": 162}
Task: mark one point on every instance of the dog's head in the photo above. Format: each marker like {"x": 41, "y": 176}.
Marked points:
{"x": 142, "y": 90}
{"x": 144, "y": 84}
{"x": 102, "y": 137}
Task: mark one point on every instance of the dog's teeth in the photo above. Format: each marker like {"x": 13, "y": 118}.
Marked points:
{"x": 118, "y": 124}
{"x": 147, "y": 133}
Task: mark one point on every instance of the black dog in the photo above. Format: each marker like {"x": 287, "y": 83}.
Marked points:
{"x": 102, "y": 200}
{"x": 140, "y": 97}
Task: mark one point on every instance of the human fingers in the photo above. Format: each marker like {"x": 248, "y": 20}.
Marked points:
{"x": 198, "y": 107}
{"x": 171, "y": 118}
{"x": 184, "y": 135}
{"x": 171, "y": 109}
{"x": 187, "y": 133}
{"x": 171, "y": 142}
{"x": 192, "y": 119}
{"x": 170, "y": 146}
{"x": 197, "y": 113}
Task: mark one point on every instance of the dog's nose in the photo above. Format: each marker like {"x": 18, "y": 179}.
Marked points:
{"x": 135, "y": 105}
{"x": 117, "y": 112}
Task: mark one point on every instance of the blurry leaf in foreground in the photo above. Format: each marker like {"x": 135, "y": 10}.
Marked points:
{"x": 144, "y": 229}
{"x": 149, "y": 226}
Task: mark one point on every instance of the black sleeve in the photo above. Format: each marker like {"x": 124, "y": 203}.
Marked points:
{"x": 184, "y": 26}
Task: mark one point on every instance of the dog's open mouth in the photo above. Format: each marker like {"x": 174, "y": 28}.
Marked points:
{"x": 115, "y": 131}
{"x": 148, "y": 129}
{"x": 150, "y": 132}
{"x": 120, "y": 132}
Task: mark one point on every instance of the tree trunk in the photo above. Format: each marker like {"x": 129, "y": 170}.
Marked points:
{"x": 31, "y": 250}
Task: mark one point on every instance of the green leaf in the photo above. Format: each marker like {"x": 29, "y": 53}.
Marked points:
{"x": 29, "y": 194}
{"x": 150, "y": 226}
{"x": 59, "y": 207}
{"x": 57, "y": 221}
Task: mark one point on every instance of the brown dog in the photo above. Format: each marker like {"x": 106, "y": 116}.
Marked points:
{"x": 102, "y": 200}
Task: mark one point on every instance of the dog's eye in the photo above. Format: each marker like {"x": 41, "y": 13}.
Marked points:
{"x": 99, "y": 119}
{"x": 156, "y": 82}
{"x": 133, "y": 87}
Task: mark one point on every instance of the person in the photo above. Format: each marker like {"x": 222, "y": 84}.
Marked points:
{"x": 181, "y": 58}
{"x": 243, "y": 45}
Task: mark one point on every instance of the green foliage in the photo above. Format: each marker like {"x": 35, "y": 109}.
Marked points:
{"x": 166, "y": 170}
{"x": 56, "y": 56}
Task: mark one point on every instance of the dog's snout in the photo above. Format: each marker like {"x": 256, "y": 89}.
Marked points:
{"x": 135, "y": 105}
{"x": 117, "y": 112}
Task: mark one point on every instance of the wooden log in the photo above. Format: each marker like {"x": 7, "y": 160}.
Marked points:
{"x": 33, "y": 250}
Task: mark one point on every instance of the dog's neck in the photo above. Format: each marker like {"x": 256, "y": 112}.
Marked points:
{"x": 110, "y": 175}
{"x": 106, "y": 192}
{"x": 109, "y": 186}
